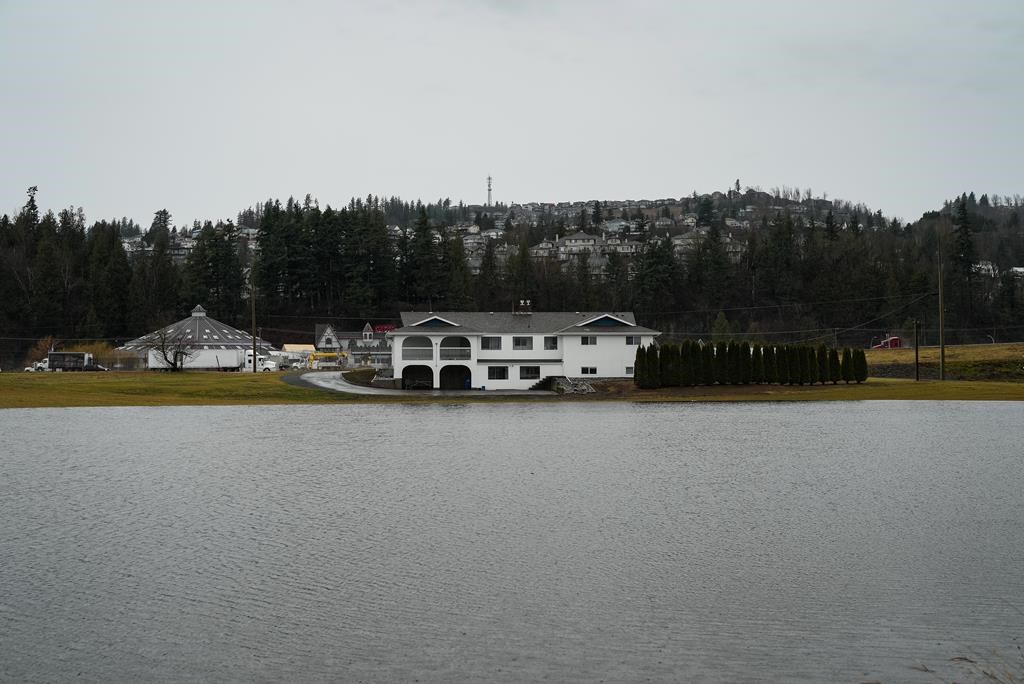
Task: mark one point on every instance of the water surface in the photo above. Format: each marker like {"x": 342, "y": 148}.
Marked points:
{"x": 768, "y": 542}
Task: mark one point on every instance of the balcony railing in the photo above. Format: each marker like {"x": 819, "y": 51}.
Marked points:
{"x": 457, "y": 354}
{"x": 418, "y": 354}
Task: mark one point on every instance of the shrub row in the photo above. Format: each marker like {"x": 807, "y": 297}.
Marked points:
{"x": 741, "y": 363}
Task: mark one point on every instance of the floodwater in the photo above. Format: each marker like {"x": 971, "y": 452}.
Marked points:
{"x": 771, "y": 542}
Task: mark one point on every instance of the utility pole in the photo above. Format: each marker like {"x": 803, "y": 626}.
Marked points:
{"x": 917, "y": 350}
{"x": 252, "y": 298}
{"x": 942, "y": 327}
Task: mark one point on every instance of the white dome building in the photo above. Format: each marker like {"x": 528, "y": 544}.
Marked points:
{"x": 198, "y": 343}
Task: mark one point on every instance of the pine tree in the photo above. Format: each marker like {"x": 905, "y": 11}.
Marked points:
{"x": 834, "y": 370}
{"x": 782, "y": 365}
{"x": 654, "y": 367}
{"x": 640, "y": 368}
{"x": 732, "y": 362}
{"x": 846, "y": 366}
{"x": 686, "y": 363}
{"x": 771, "y": 371}
{"x": 810, "y": 365}
{"x": 722, "y": 363}
{"x": 746, "y": 363}
{"x": 708, "y": 352}
{"x": 860, "y": 366}
{"x": 757, "y": 365}
{"x": 666, "y": 355}
{"x": 822, "y": 359}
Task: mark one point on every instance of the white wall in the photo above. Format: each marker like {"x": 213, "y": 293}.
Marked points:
{"x": 204, "y": 359}
{"x": 610, "y": 356}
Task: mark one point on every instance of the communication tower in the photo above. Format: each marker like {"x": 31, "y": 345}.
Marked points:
{"x": 489, "y": 190}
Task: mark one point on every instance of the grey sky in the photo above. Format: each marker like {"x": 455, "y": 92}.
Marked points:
{"x": 208, "y": 107}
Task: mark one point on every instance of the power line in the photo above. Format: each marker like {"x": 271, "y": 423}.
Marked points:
{"x": 836, "y": 333}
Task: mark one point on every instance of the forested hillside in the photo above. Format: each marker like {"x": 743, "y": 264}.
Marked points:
{"x": 795, "y": 269}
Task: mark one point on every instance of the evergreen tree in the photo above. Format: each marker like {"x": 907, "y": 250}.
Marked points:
{"x": 459, "y": 296}
{"x": 653, "y": 367}
{"x": 488, "y": 286}
{"x": 733, "y": 360}
{"x": 757, "y": 365}
{"x": 425, "y": 272}
{"x": 745, "y": 363}
{"x": 846, "y": 366}
{"x": 686, "y": 363}
{"x": 782, "y": 365}
{"x": 834, "y": 369}
{"x": 860, "y": 365}
{"x": 810, "y": 365}
{"x": 722, "y": 363}
{"x": 666, "y": 354}
{"x": 964, "y": 258}
{"x": 640, "y": 368}
{"x": 771, "y": 369}
{"x": 822, "y": 360}
{"x": 708, "y": 363}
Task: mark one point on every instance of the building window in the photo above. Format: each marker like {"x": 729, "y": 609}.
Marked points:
{"x": 588, "y": 340}
{"x": 632, "y": 340}
{"x": 629, "y": 370}
{"x": 588, "y": 370}
{"x": 497, "y": 372}
{"x": 491, "y": 343}
{"x": 529, "y": 372}
{"x": 522, "y": 343}
{"x": 551, "y": 343}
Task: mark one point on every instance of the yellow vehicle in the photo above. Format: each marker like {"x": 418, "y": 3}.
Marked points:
{"x": 322, "y": 360}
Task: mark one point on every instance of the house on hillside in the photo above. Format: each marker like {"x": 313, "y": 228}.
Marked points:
{"x": 513, "y": 350}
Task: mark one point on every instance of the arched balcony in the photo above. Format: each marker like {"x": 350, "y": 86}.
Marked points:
{"x": 417, "y": 349}
{"x": 455, "y": 349}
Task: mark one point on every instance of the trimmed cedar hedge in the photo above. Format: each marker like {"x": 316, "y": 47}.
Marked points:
{"x": 689, "y": 363}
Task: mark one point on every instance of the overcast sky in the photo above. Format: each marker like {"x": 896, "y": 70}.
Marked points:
{"x": 208, "y": 107}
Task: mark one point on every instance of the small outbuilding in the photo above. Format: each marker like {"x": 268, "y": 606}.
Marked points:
{"x": 199, "y": 343}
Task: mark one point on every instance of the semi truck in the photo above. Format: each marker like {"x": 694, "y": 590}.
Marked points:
{"x": 66, "y": 361}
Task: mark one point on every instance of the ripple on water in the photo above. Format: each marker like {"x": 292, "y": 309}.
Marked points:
{"x": 792, "y": 542}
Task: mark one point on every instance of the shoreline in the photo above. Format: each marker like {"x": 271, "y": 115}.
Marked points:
{"x": 146, "y": 388}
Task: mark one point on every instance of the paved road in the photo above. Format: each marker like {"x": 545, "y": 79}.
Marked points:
{"x": 334, "y": 382}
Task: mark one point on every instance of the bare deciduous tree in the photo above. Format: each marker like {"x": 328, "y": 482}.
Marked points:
{"x": 173, "y": 347}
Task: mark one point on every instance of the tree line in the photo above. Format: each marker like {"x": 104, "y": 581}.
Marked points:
{"x": 691, "y": 363}
{"x": 852, "y": 273}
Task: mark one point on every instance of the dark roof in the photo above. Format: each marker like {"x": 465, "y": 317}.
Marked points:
{"x": 203, "y": 332}
{"x": 540, "y": 322}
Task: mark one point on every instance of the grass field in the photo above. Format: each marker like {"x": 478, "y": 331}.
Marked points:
{"x": 29, "y": 390}
{"x": 954, "y": 354}
{"x": 145, "y": 388}
{"x": 967, "y": 362}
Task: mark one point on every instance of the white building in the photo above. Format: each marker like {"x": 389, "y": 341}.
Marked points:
{"x": 504, "y": 350}
{"x": 199, "y": 343}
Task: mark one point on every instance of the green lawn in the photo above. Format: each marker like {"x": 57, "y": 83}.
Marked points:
{"x": 144, "y": 388}
{"x": 27, "y": 390}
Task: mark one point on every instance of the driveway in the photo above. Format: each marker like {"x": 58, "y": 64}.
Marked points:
{"x": 335, "y": 382}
